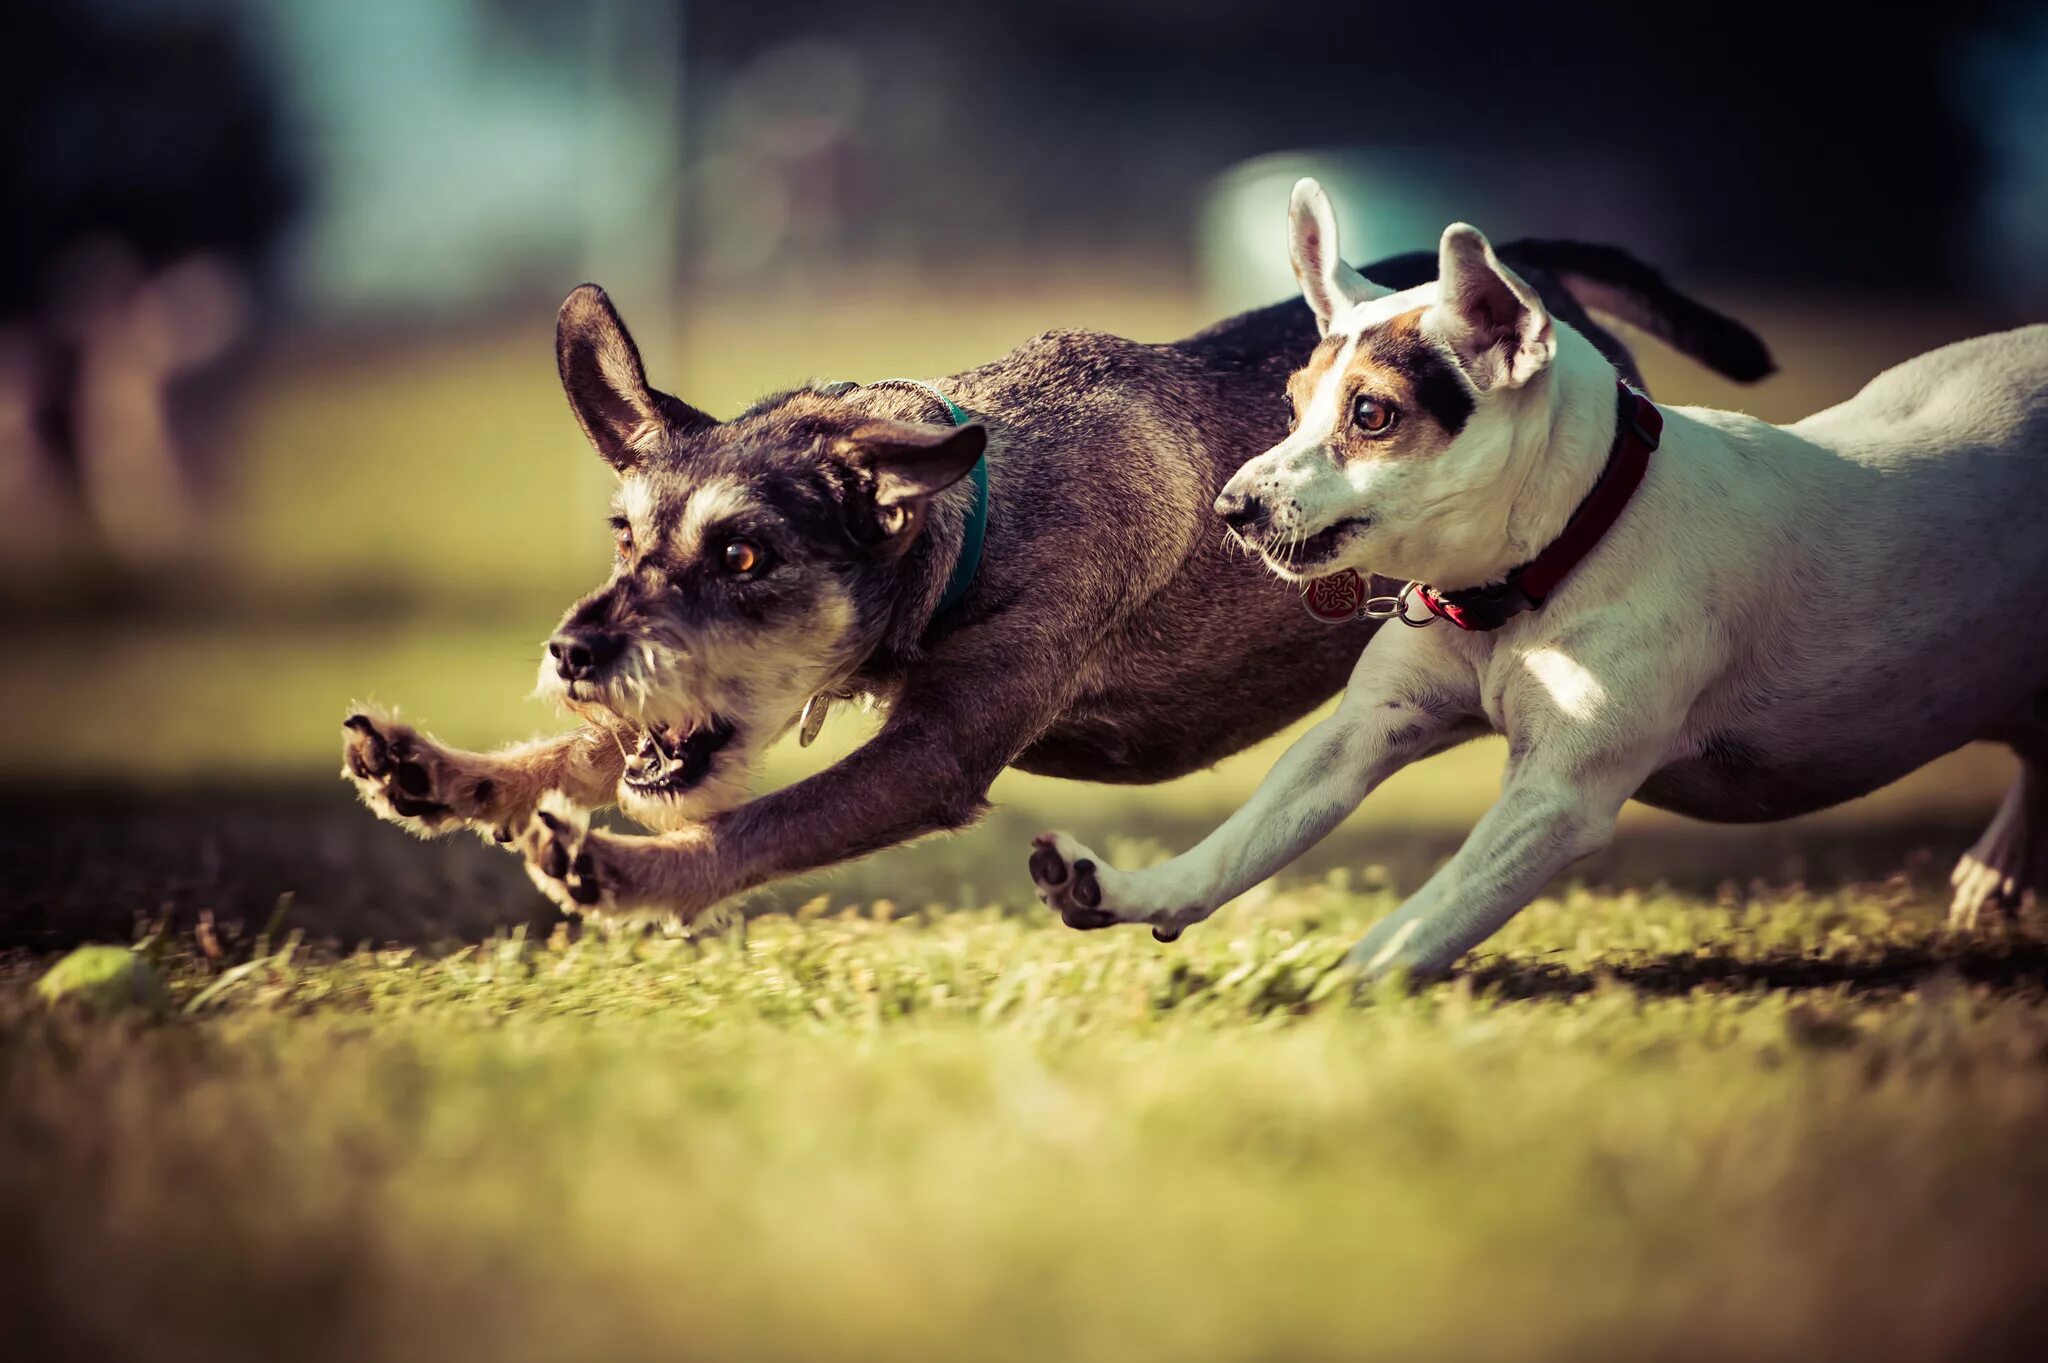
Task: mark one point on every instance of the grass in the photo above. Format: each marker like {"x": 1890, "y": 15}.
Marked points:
{"x": 1783, "y": 1124}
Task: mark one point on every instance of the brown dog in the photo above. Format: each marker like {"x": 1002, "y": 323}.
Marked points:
{"x": 1070, "y": 606}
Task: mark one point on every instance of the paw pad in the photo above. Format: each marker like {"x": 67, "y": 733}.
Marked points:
{"x": 385, "y": 761}
{"x": 1070, "y": 888}
{"x": 560, "y": 862}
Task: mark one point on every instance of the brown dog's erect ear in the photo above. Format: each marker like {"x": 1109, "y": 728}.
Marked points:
{"x": 910, "y": 461}
{"x": 1327, "y": 283}
{"x": 606, "y": 384}
{"x": 1494, "y": 320}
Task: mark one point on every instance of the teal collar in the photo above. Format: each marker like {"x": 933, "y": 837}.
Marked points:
{"x": 975, "y": 531}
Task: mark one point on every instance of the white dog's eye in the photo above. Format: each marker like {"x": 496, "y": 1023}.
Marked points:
{"x": 1293, "y": 417}
{"x": 1373, "y": 415}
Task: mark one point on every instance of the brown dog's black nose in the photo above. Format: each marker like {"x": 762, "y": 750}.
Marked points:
{"x": 581, "y": 654}
{"x": 1239, "y": 512}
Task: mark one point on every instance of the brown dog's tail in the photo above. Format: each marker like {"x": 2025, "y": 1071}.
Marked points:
{"x": 1610, "y": 280}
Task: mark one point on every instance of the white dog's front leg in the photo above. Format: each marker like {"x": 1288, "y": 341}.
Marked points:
{"x": 1544, "y": 821}
{"x": 1377, "y": 729}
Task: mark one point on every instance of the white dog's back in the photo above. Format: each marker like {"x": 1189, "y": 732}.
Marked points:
{"x": 1891, "y": 569}
{"x": 1987, "y": 393}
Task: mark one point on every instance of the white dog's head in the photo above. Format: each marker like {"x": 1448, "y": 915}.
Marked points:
{"x": 1407, "y": 419}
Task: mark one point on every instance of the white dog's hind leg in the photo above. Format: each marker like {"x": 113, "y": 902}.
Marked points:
{"x": 2006, "y": 866}
{"x": 2009, "y": 863}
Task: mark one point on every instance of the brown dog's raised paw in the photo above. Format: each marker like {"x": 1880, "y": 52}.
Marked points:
{"x": 406, "y": 778}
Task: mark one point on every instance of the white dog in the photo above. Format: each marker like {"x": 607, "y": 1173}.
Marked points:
{"x": 1749, "y": 623}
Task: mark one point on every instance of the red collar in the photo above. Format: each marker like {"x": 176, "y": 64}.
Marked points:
{"x": 1638, "y": 426}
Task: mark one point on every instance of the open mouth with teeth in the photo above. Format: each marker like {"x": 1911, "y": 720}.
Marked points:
{"x": 1316, "y": 549}
{"x": 674, "y": 761}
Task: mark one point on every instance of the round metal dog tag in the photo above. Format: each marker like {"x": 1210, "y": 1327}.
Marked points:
{"x": 1334, "y": 599}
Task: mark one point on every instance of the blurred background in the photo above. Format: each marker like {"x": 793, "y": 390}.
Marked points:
{"x": 279, "y": 424}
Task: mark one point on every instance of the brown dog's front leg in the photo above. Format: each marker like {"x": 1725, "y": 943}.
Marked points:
{"x": 417, "y": 783}
{"x": 927, "y": 771}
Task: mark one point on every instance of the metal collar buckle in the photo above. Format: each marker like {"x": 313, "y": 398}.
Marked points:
{"x": 1396, "y": 608}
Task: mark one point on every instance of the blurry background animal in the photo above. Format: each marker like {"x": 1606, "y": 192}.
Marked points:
{"x": 146, "y": 186}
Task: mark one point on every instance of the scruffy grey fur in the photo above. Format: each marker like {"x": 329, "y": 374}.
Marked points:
{"x": 802, "y": 549}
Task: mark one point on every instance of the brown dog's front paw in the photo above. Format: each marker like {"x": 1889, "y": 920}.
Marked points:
{"x": 407, "y": 778}
{"x": 566, "y": 863}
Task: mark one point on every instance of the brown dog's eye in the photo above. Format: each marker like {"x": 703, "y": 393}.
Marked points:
{"x": 622, "y": 533}
{"x": 743, "y": 556}
{"x": 1373, "y": 416}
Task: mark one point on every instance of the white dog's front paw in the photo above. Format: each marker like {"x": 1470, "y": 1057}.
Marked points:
{"x": 1088, "y": 893}
{"x": 1068, "y": 878}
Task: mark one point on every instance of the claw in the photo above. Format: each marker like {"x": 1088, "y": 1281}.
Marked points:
{"x": 368, "y": 757}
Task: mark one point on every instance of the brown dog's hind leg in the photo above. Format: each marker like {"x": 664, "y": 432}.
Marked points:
{"x": 426, "y": 788}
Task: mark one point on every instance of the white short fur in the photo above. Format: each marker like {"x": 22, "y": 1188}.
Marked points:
{"x": 1783, "y": 617}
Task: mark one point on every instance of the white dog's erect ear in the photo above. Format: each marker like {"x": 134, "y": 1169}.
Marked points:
{"x": 911, "y": 460}
{"x": 1496, "y": 322}
{"x": 607, "y": 387}
{"x": 1327, "y": 284}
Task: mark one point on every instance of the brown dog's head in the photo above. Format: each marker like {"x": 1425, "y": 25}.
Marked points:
{"x": 760, "y": 561}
